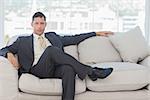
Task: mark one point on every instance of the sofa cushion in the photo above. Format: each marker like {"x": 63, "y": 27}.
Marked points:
{"x": 32, "y": 84}
{"x": 97, "y": 49}
{"x": 131, "y": 45}
{"x": 126, "y": 76}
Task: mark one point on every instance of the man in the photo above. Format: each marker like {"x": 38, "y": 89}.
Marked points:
{"x": 42, "y": 55}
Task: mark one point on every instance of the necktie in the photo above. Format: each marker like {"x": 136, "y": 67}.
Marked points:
{"x": 42, "y": 42}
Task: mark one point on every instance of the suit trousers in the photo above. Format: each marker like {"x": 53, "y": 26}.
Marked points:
{"x": 55, "y": 63}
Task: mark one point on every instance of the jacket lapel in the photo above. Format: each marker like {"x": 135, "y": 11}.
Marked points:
{"x": 50, "y": 38}
{"x": 31, "y": 46}
{"x": 54, "y": 39}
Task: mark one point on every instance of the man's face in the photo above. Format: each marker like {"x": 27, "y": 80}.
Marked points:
{"x": 38, "y": 25}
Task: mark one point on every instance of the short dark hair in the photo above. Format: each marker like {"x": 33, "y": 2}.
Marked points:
{"x": 38, "y": 14}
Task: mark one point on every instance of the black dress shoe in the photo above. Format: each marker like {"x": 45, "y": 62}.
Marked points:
{"x": 102, "y": 72}
{"x": 93, "y": 76}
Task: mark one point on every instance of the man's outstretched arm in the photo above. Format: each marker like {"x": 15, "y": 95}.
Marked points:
{"x": 76, "y": 39}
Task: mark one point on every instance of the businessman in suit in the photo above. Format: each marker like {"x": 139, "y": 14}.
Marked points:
{"x": 42, "y": 55}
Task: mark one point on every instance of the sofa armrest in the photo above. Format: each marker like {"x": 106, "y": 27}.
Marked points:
{"x": 146, "y": 62}
{"x": 8, "y": 80}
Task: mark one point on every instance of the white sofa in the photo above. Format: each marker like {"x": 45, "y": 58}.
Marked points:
{"x": 129, "y": 80}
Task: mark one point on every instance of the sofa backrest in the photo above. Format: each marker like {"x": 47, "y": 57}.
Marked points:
{"x": 97, "y": 50}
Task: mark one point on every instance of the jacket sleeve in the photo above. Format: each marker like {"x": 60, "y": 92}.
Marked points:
{"x": 13, "y": 48}
{"x": 75, "y": 39}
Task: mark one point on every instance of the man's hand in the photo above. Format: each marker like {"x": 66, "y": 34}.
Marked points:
{"x": 13, "y": 60}
{"x": 104, "y": 33}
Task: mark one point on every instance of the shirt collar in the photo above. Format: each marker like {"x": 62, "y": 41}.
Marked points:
{"x": 36, "y": 36}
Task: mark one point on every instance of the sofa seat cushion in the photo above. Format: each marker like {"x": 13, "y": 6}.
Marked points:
{"x": 126, "y": 76}
{"x": 97, "y": 50}
{"x": 31, "y": 84}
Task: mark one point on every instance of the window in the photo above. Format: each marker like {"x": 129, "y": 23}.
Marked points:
{"x": 74, "y": 16}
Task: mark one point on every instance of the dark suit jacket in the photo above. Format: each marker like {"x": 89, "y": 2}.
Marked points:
{"x": 23, "y": 47}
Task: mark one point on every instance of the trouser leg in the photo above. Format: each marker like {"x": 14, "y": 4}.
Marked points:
{"x": 64, "y": 72}
{"x": 52, "y": 56}
{"x": 67, "y": 74}
{"x": 59, "y": 57}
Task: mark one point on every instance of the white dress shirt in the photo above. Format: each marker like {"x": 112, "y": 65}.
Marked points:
{"x": 38, "y": 51}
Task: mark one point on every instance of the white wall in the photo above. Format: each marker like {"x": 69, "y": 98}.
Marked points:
{"x": 1, "y": 23}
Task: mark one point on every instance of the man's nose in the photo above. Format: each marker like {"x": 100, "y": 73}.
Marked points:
{"x": 39, "y": 25}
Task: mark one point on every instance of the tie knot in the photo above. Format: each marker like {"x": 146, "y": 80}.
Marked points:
{"x": 40, "y": 37}
{"x": 42, "y": 42}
